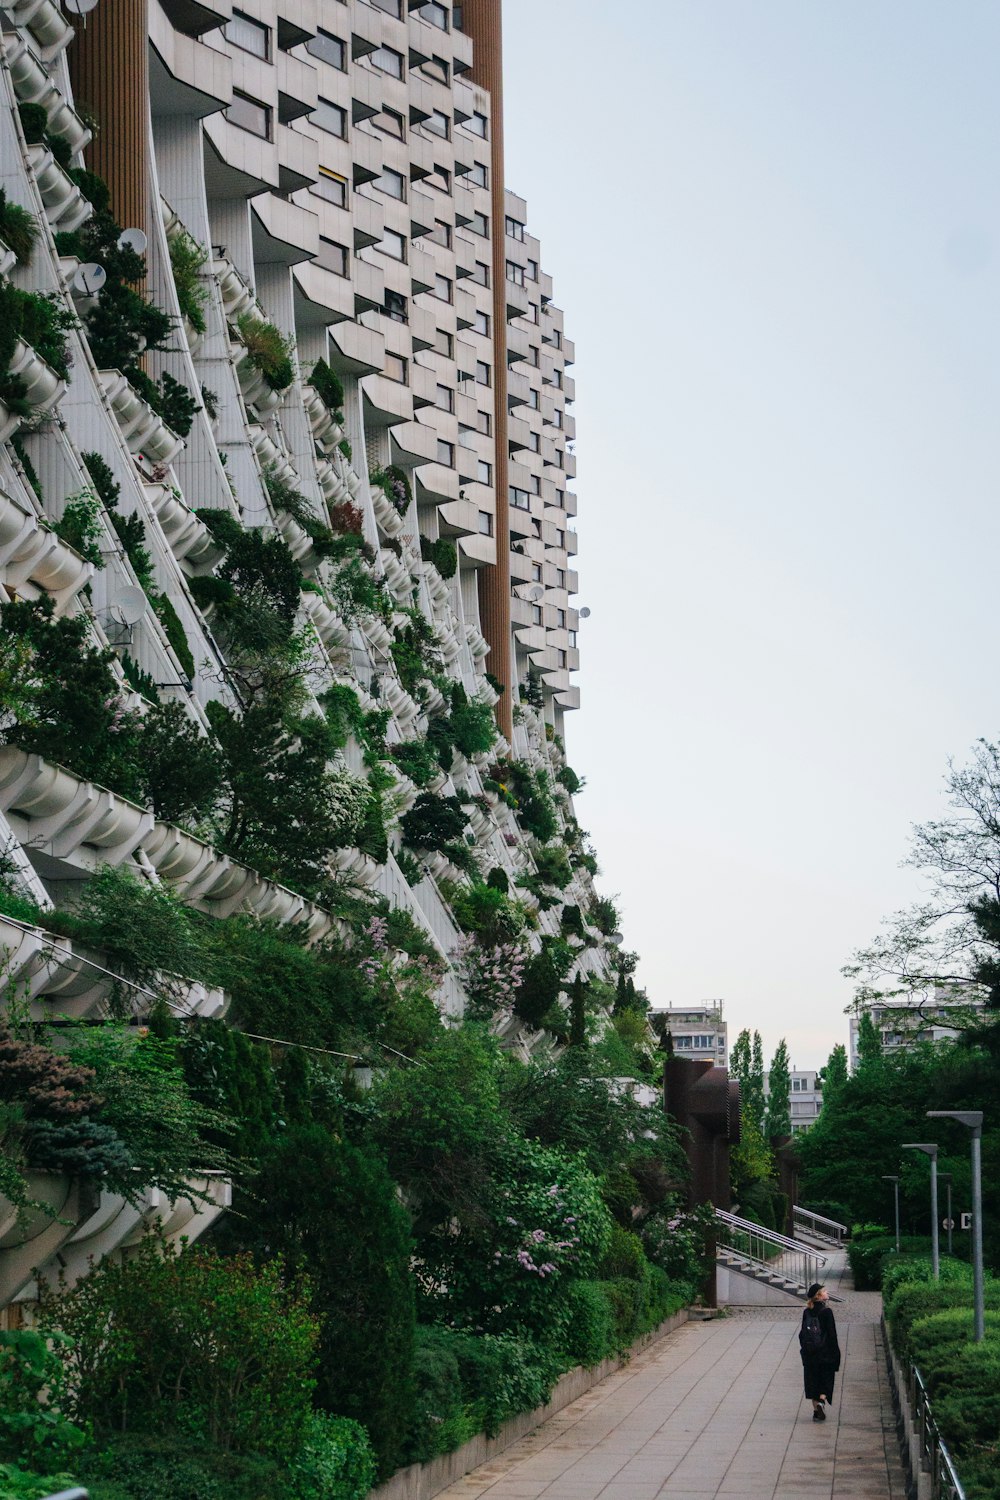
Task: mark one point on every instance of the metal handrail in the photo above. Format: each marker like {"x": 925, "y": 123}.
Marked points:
{"x": 934, "y": 1456}
{"x": 839, "y": 1230}
{"x": 769, "y": 1234}
{"x": 795, "y": 1263}
{"x": 70, "y": 1495}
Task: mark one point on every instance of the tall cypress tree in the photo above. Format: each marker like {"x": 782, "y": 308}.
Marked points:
{"x": 779, "y": 1110}
{"x": 755, "y": 1083}
{"x": 578, "y": 1014}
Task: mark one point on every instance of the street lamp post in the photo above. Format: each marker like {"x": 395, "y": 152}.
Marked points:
{"x": 929, "y": 1148}
{"x": 946, "y": 1178}
{"x": 887, "y": 1177}
{"x": 972, "y": 1119}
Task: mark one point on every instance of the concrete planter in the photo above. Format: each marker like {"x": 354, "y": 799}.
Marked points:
{"x": 65, "y": 206}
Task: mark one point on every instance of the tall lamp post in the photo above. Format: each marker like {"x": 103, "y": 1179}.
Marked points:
{"x": 929, "y": 1148}
{"x": 946, "y": 1178}
{"x": 972, "y": 1119}
{"x": 887, "y": 1177}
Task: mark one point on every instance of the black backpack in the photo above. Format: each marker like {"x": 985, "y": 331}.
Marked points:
{"x": 812, "y": 1339}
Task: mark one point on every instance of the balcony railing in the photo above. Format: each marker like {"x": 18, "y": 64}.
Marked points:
{"x": 766, "y": 1250}
{"x": 818, "y": 1225}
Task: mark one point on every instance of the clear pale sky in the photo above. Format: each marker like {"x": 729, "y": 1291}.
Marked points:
{"x": 774, "y": 226}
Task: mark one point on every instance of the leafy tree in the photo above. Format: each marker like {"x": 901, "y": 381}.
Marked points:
{"x": 578, "y": 1014}
{"x": 869, "y": 1042}
{"x": 779, "y": 1118}
{"x": 755, "y": 1082}
{"x": 832, "y": 1078}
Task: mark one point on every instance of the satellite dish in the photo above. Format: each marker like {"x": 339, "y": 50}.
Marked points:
{"x": 133, "y": 239}
{"x": 536, "y": 591}
{"x": 585, "y": 612}
{"x": 129, "y": 604}
{"x": 616, "y": 937}
{"x": 89, "y": 278}
{"x": 79, "y": 7}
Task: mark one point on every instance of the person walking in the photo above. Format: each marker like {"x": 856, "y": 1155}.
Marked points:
{"x": 819, "y": 1349}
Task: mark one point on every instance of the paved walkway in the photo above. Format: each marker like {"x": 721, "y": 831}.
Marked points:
{"x": 716, "y": 1409}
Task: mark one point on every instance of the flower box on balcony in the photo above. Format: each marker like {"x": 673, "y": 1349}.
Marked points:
{"x": 143, "y": 429}
{"x": 237, "y": 296}
{"x": 326, "y": 431}
{"x": 65, "y": 206}
{"x": 31, "y": 552}
{"x": 42, "y": 386}
{"x": 66, "y": 813}
{"x": 45, "y": 23}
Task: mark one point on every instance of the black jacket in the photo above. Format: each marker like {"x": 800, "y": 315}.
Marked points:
{"x": 829, "y": 1354}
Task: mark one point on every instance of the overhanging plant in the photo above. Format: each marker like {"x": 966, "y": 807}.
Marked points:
{"x": 269, "y": 350}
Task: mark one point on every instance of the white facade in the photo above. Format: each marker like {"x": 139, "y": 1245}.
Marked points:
{"x": 902, "y": 1023}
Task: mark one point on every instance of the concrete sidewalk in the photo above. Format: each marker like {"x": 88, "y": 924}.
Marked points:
{"x": 716, "y": 1409}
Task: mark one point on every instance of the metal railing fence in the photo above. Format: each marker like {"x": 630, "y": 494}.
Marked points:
{"x": 819, "y": 1225}
{"x": 771, "y": 1251}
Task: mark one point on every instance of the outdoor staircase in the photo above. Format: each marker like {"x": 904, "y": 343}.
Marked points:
{"x": 815, "y": 1229}
{"x": 764, "y": 1255}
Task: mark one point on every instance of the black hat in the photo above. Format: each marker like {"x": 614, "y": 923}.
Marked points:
{"x": 817, "y": 1286}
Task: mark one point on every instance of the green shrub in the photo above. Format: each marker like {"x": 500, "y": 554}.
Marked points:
{"x": 623, "y": 1257}
{"x": 80, "y": 526}
{"x": 244, "y": 1383}
{"x": 334, "y": 1461}
{"x": 187, "y": 258}
{"x": 442, "y": 552}
{"x": 866, "y": 1253}
{"x": 590, "y": 1335}
{"x": 19, "y": 1484}
{"x": 269, "y": 350}
{"x": 147, "y": 1466}
{"x": 18, "y": 229}
{"x": 440, "y": 1421}
{"x": 433, "y": 822}
{"x": 33, "y": 1429}
{"x": 329, "y": 388}
{"x": 174, "y": 631}
{"x": 911, "y": 1300}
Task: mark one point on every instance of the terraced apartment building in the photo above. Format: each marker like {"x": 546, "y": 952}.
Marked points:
{"x": 265, "y": 292}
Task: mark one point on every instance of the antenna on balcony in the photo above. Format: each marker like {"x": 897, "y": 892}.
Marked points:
{"x": 125, "y": 609}
{"x": 133, "y": 239}
{"x": 89, "y": 278}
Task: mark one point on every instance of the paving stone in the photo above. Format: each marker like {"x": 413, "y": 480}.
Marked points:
{"x": 715, "y": 1409}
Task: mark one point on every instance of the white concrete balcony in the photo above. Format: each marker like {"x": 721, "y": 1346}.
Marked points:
{"x": 478, "y": 644}
{"x": 65, "y": 206}
{"x": 359, "y": 868}
{"x": 143, "y": 429}
{"x": 64, "y": 817}
{"x": 45, "y": 23}
{"x": 396, "y": 576}
{"x": 387, "y": 516}
{"x": 334, "y": 487}
{"x": 325, "y": 430}
{"x": 42, "y": 386}
{"x": 32, "y": 553}
{"x": 327, "y": 623}
{"x": 28, "y": 1239}
{"x": 257, "y": 394}
{"x": 298, "y": 540}
{"x": 237, "y": 294}
{"x": 405, "y": 709}
{"x": 190, "y": 539}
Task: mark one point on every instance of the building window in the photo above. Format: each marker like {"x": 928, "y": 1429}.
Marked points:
{"x": 388, "y": 60}
{"x": 531, "y": 316}
{"x": 391, "y": 7}
{"x": 484, "y": 472}
{"x": 514, "y": 228}
{"x": 330, "y": 117}
{"x": 536, "y": 614}
{"x": 557, "y": 416}
{"x": 329, "y": 49}
{"x": 534, "y": 442}
{"x": 441, "y": 234}
{"x": 334, "y": 257}
{"x": 440, "y": 178}
{"x": 482, "y": 324}
{"x": 485, "y": 523}
{"x": 395, "y": 367}
{"x": 482, "y": 372}
{"x": 249, "y": 35}
{"x": 396, "y": 307}
{"x": 479, "y": 174}
{"x": 438, "y": 123}
{"x": 519, "y": 499}
{"x": 484, "y": 423}
{"x": 446, "y": 453}
{"x": 443, "y": 288}
{"x": 444, "y": 343}
{"x": 480, "y": 224}
{"x": 561, "y": 619}
{"x": 481, "y": 273}
{"x": 390, "y": 121}
{"x": 250, "y": 114}
{"x": 533, "y": 400}
{"x": 332, "y": 187}
{"x": 437, "y": 68}
{"x": 515, "y": 273}
{"x": 436, "y": 14}
{"x": 535, "y": 484}
{"x": 560, "y": 578}
{"x": 445, "y": 398}
{"x": 572, "y": 640}
{"x": 532, "y": 351}
{"x": 536, "y": 572}
{"x": 392, "y": 244}
{"x": 477, "y": 124}
{"x": 561, "y": 658}
{"x": 393, "y": 184}
{"x": 532, "y": 270}
{"x": 560, "y": 538}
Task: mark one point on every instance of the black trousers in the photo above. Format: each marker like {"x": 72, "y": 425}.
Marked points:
{"x": 819, "y": 1377}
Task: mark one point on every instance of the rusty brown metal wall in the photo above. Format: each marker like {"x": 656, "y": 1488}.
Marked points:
{"x": 109, "y": 68}
{"x": 481, "y": 19}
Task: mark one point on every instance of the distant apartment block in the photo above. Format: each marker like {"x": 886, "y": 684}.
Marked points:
{"x": 697, "y": 1031}
{"x": 901, "y": 1023}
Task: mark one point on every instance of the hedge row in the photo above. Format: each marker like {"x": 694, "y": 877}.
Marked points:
{"x": 931, "y": 1326}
